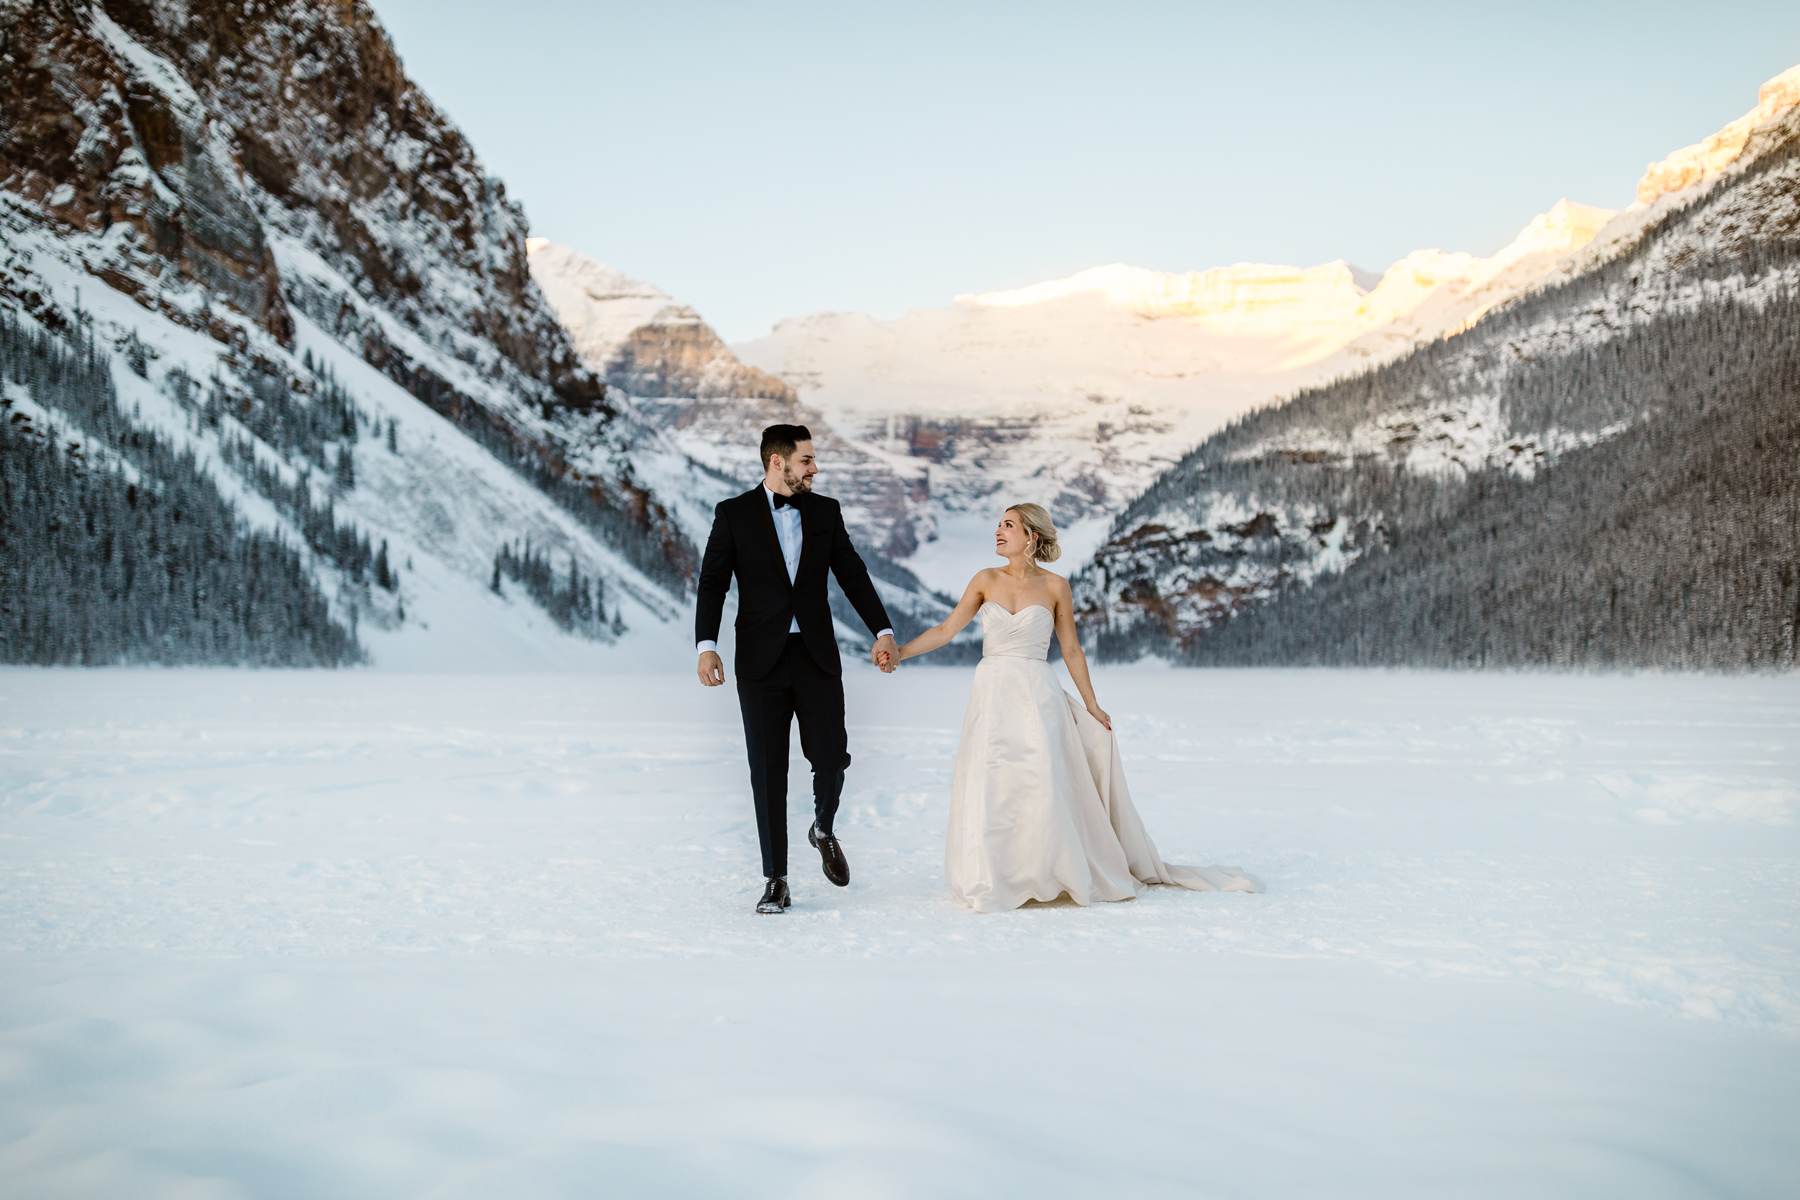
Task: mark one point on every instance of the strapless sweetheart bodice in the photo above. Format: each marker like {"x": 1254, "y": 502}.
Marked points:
{"x": 1022, "y": 634}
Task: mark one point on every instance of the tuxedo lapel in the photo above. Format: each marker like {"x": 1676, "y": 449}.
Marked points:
{"x": 763, "y": 521}
{"x": 812, "y": 537}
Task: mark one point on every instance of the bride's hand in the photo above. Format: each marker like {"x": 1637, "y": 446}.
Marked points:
{"x": 1099, "y": 714}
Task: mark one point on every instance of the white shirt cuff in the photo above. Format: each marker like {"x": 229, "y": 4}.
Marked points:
{"x": 884, "y": 633}
{"x": 703, "y": 647}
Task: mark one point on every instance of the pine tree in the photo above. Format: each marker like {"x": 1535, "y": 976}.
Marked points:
{"x": 98, "y": 569}
{"x": 136, "y": 355}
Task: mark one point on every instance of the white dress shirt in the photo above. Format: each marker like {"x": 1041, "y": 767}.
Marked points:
{"x": 789, "y": 534}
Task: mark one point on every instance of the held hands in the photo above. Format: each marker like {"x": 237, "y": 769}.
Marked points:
{"x": 885, "y": 654}
{"x": 711, "y": 669}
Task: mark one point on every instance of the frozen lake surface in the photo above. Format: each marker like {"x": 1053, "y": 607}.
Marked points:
{"x": 382, "y": 934}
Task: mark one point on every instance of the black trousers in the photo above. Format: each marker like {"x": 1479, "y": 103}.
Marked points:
{"x": 795, "y": 688}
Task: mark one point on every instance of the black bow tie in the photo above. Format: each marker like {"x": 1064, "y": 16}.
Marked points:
{"x": 782, "y": 501}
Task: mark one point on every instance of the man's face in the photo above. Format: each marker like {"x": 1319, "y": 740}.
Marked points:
{"x": 798, "y": 469}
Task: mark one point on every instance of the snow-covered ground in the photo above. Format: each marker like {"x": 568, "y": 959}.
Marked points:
{"x": 380, "y": 934}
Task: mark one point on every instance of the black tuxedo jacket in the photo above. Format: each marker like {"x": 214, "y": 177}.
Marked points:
{"x": 743, "y": 543}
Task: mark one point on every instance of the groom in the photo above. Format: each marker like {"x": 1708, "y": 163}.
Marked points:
{"x": 778, "y": 539}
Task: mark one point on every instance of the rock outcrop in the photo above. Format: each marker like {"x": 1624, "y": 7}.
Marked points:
{"x": 228, "y": 166}
{"x": 639, "y": 339}
{"x": 1705, "y": 159}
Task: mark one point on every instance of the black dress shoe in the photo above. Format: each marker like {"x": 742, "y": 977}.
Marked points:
{"x": 831, "y": 855}
{"x": 775, "y": 897}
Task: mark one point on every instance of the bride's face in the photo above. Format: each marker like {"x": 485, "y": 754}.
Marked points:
{"x": 1009, "y": 535}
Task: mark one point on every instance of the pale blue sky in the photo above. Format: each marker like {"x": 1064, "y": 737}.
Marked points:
{"x": 764, "y": 161}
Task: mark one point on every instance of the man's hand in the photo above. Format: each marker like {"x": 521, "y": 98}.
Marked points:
{"x": 711, "y": 669}
{"x": 885, "y": 654}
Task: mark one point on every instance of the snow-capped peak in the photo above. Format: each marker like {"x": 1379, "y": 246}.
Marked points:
{"x": 1564, "y": 227}
{"x": 600, "y": 305}
{"x": 1411, "y": 282}
{"x": 1333, "y": 290}
{"x": 1248, "y": 298}
{"x": 638, "y": 337}
{"x": 1190, "y": 293}
{"x": 1707, "y": 158}
{"x": 603, "y": 281}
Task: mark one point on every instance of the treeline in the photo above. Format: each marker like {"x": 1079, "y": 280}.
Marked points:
{"x": 1643, "y": 511}
{"x": 342, "y": 542}
{"x": 121, "y": 549}
{"x": 1674, "y": 544}
{"x": 576, "y": 602}
{"x": 623, "y": 514}
{"x": 307, "y": 426}
{"x": 317, "y": 428}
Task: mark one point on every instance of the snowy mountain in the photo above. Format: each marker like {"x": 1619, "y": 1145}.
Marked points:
{"x": 1709, "y": 158}
{"x": 1601, "y": 470}
{"x": 259, "y": 302}
{"x": 292, "y": 267}
{"x": 1078, "y": 392}
{"x": 698, "y": 415}
{"x": 638, "y": 338}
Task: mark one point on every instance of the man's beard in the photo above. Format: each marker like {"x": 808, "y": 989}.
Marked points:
{"x": 795, "y": 484}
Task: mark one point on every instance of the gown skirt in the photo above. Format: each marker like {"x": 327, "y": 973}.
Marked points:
{"x": 1039, "y": 808}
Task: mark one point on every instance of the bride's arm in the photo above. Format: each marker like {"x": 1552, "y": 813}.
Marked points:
{"x": 950, "y": 626}
{"x": 1072, "y": 655}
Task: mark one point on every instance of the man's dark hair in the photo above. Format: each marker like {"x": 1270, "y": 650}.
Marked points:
{"x": 781, "y": 439}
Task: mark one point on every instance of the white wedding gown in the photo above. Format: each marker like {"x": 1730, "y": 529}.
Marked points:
{"x": 1038, "y": 803}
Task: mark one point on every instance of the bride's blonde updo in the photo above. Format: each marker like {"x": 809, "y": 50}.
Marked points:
{"x": 1036, "y": 519}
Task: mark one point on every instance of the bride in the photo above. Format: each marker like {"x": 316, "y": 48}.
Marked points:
{"x": 1038, "y": 803}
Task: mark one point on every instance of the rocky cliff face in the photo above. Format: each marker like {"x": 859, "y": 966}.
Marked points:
{"x": 98, "y": 142}
{"x": 227, "y": 138}
{"x": 265, "y": 176}
{"x": 272, "y": 157}
{"x": 639, "y": 339}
